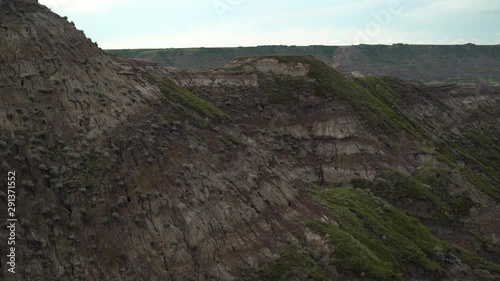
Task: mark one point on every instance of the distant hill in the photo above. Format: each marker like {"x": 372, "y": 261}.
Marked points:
{"x": 452, "y": 63}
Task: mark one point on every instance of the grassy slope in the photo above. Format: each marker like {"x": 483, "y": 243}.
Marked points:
{"x": 294, "y": 263}
{"x": 375, "y": 239}
{"x": 364, "y": 219}
{"x": 429, "y": 185}
{"x": 199, "y": 111}
{"x": 479, "y": 150}
{"x": 372, "y": 97}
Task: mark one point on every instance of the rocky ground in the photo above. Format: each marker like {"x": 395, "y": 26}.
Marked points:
{"x": 272, "y": 168}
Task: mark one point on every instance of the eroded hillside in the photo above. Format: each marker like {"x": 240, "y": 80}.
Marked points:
{"x": 272, "y": 168}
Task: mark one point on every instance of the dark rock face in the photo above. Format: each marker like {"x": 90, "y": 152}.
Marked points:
{"x": 124, "y": 174}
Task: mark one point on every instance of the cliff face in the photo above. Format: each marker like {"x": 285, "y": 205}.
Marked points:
{"x": 272, "y": 168}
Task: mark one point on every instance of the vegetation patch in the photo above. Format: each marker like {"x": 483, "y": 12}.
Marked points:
{"x": 371, "y": 97}
{"x": 481, "y": 241}
{"x": 481, "y": 183}
{"x": 95, "y": 169}
{"x": 475, "y": 261}
{"x": 284, "y": 89}
{"x": 478, "y": 149}
{"x": 374, "y": 238}
{"x": 436, "y": 179}
{"x": 379, "y": 105}
{"x": 429, "y": 185}
{"x": 294, "y": 263}
{"x": 395, "y": 186}
{"x": 196, "y": 108}
{"x": 229, "y": 138}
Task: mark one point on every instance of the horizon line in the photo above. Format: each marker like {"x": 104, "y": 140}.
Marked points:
{"x": 314, "y": 45}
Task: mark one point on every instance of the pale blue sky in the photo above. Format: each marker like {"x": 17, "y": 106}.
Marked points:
{"x": 231, "y": 23}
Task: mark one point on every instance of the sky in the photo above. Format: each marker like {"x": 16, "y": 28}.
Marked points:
{"x": 129, "y": 24}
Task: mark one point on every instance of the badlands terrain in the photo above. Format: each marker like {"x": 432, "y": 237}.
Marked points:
{"x": 275, "y": 167}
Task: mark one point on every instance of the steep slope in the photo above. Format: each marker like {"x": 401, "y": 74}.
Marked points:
{"x": 269, "y": 169}
{"x": 46, "y": 62}
{"x": 460, "y": 63}
{"x": 355, "y": 132}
